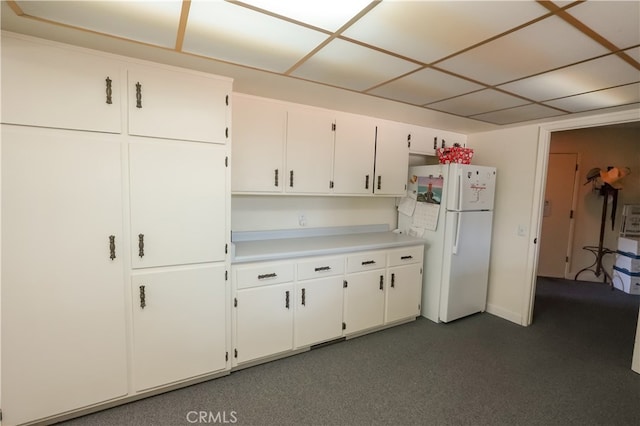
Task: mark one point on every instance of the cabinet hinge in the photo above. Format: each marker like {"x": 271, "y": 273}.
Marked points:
{"x": 226, "y": 132}
{"x": 226, "y": 161}
{"x": 344, "y": 325}
{"x": 226, "y": 248}
{"x": 235, "y": 302}
{"x": 0, "y": 415}
{"x": 226, "y": 356}
{"x": 409, "y": 141}
{"x": 571, "y": 214}
{"x": 419, "y": 307}
{"x": 420, "y": 271}
{"x": 333, "y": 127}
{"x": 576, "y": 167}
{"x": 566, "y": 259}
{"x": 235, "y": 353}
{"x": 226, "y": 100}
{"x": 331, "y": 184}
{"x": 226, "y": 275}
{"x": 345, "y": 284}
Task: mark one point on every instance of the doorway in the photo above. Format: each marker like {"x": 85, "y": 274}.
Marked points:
{"x": 556, "y": 236}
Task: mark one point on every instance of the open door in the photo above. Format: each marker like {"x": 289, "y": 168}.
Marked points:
{"x": 557, "y": 217}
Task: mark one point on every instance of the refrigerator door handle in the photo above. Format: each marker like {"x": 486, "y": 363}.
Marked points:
{"x": 456, "y": 239}
{"x": 459, "y": 189}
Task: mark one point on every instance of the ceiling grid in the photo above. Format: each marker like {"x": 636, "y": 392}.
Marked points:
{"x": 499, "y": 62}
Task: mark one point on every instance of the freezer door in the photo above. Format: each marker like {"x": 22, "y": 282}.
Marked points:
{"x": 471, "y": 187}
{"x": 466, "y": 264}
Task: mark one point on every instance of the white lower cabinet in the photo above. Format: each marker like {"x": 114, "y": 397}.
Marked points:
{"x": 404, "y": 278}
{"x": 179, "y": 324}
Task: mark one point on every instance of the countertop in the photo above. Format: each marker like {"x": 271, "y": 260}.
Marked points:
{"x": 329, "y": 241}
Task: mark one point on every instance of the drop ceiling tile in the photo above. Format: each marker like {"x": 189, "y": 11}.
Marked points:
{"x": 634, "y": 53}
{"x": 547, "y": 44}
{"x": 430, "y": 30}
{"x": 327, "y": 14}
{"x": 236, "y": 34}
{"x": 478, "y": 103}
{"x": 617, "y": 21}
{"x": 425, "y": 86}
{"x": 519, "y": 114}
{"x": 153, "y": 22}
{"x": 349, "y": 65}
{"x": 598, "y": 74}
{"x": 623, "y": 95}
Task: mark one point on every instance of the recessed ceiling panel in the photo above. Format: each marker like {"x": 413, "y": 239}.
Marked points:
{"x": 345, "y": 64}
{"x": 617, "y": 21}
{"x": 519, "y": 114}
{"x": 545, "y": 45}
{"x": 623, "y": 95}
{"x": 425, "y": 86}
{"x": 478, "y": 102}
{"x": 239, "y": 35}
{"x": 327, "y": 14}
{"x": 597, "y": 74}
{"x": 431, "y": 30}
{"x": 153, "y": 22}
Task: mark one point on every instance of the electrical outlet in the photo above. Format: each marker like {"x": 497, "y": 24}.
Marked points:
{"x": 522, "y": 230}
{"x": 302, "y": 219}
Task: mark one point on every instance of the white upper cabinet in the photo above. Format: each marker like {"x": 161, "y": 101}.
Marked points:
{"x": 171, "y": 104}
{"x": 309, "y": 153}
{"x": 423, "y": 140}
{"x": 59, "y": 87}
{"x": 259, "y": 130}
{"x": 354, "y": 154}
{"x": 178, "y": 202}
{"x": 392, "y": 158}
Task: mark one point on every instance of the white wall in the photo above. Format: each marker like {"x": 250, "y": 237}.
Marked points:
{"x": 513, "y": 152}
{"x": 261, "y": 213}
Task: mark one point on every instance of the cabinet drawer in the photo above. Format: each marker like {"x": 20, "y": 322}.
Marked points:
{"x": 320, "y": 267}
{"x": 264, "y": 274}
{"x": 405, "y": 255}
{"x": 366, "y": 261}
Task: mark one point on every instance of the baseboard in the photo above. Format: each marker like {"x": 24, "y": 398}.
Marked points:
{"x": 504, "y": 314}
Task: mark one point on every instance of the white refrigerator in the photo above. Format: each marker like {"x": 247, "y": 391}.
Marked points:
{"x": 451, "y": 206}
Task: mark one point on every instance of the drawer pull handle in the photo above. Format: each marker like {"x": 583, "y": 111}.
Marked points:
{"x": 323, "y": 268}
{"x": 109, "y": 90}
{"x": 368, "y": 262}
{"x": 141, "y": 245}
{"x": 112, "y": 247}
{"x": 265, "y": 276}
{"x": 304, "y": 297}
{"x": 406, "y": 257}
{"x": 143, "y": 297}
{"x": 381, "y": 282}
{"x": 138, "y": 95}
{"x": 286, "y": 299}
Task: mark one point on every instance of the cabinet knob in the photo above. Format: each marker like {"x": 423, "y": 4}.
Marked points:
{"x": 381, "y": 282}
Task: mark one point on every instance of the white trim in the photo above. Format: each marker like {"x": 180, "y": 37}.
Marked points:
{"x": 544, "y": 138}
{"x": 504, "y": 314}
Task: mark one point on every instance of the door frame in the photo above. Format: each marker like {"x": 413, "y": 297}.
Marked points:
{"x": 540, "y": 181}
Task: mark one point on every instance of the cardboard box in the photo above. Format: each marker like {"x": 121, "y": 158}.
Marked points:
{"x": 629, "y": 245}
{"x": 629, "y": 282}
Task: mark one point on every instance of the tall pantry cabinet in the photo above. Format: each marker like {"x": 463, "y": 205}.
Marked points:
{"x": 115, "y": 228}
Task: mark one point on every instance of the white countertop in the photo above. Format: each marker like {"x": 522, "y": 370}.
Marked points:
{"x": 319, "y": 245}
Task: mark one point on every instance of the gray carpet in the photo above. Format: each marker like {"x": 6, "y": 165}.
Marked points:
{"x": 571, "y": 367}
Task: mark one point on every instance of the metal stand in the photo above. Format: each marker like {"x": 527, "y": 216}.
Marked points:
{"x": 600, "y": 251}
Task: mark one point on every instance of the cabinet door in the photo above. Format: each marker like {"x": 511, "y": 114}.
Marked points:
{"x": 354, "y": 154}
{"x": 257, "y": 159}
{"x": 364, "y": 300}
{"x": 423, "y": 140}
{"x": 318, "y": 316}
{"x": 309, "y": 157}
{"x": 63, "y": 317}
{"x": 178, "y": 202}
{"x": 57, "y": 87}
{"x": 177, "y": 105}
{"x": 403, "y": 292}
{"x": 392, "y": 159}
{"x": 264, "y": 321}
{"x": 179, "y": 324}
